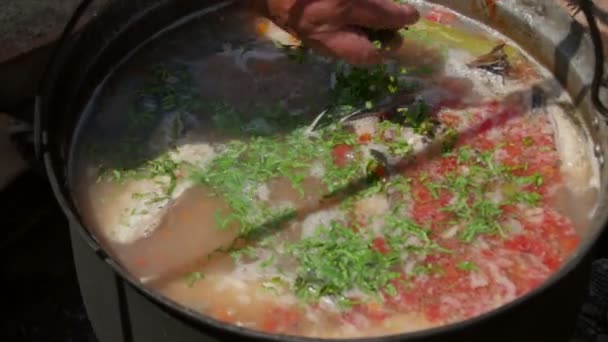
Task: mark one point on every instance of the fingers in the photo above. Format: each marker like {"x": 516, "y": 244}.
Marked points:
{"x": 381, "y": 14}
{"x": 349, "y": 44}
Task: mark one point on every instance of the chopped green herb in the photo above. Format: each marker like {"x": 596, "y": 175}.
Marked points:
{"x": 336, "y": 259}
{"x": 428, "y": 269}
{"x": 467, "y": 266}
{"x": 193, "y": 277}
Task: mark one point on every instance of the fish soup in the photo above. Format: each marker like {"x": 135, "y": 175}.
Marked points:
{"x": 432, "y": 189}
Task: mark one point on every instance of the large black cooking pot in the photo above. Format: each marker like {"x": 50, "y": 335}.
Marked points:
{"x": 122, "y": 310}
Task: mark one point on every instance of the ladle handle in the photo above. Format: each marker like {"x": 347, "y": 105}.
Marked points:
{"x": 44, "y": 80}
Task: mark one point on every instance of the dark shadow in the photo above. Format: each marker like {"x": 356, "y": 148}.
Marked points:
{"x": 580, "y": 97}
{"x": 565, "y": 51}
{"x": 600, "y": 14}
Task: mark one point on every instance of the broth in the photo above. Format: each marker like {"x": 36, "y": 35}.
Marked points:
{"x": 204, "y": 177}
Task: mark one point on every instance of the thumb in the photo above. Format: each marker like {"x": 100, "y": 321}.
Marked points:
{"x": 349, "y": 44}
{"x": 381, "y": 14}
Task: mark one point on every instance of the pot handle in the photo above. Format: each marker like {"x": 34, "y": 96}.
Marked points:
{"x": 44, "y": 84}
{"x": 586, "y": 6}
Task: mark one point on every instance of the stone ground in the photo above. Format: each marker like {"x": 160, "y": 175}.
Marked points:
{"x": 27, "y": 24}
{"x": 27, "y": 27}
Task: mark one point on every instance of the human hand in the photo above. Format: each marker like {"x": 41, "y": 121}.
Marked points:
{"x": 337, "y": 27}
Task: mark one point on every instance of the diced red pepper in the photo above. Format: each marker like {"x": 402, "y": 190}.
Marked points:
{"x": 450, "y": 119}
{"x": 433, "y": 312}
{"x": 342, "y": 154}
{"x": 379, "y": 244}
{"x": 386, "y": 115}
{"x": 365, "y": 138}
{"x": 525, "y": 244}
{"x": 381, "y": 172}
{"x": 569, "y": 243}
{"x": 552, "y": 263}
{"x": 280, "y": 319}
{"x": 421, "y": 193}
{"x": 223, "y": 315}
{"x": 441, "y": 16}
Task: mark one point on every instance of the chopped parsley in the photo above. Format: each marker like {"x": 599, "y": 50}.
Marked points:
{"x": 192, "y": 278}
{"x": 467, "y": 266}
{"x": 337, "y": 259}
{"x": 473, "y": 204}
{"x": 168, "y": 88}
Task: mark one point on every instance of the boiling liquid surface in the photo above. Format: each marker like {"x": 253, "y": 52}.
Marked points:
{"x": 486, "y": 193}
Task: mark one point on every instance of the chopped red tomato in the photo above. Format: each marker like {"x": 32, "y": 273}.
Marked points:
{"x": 386, "y": 115}
{"x": 280, "y": 319}
{"x": 450, "y": 119}
{"x": 365, "y": 138}
{"x": 526, "y": 244}
{"x": 381, "y": 172}
{"x": 375, "y": 312}
{"x": 569, "y": 243}
{"x": 552, "y": 263}
{"x": 441, "y": 16}
{"x": 379, "y": 244}
{"x": 433, "y": 312}
{"x": 421, "y": 193}
{"x": 223, "y": 315}
{"x": 342, "y": 154}
{"x": 513, "y": 150}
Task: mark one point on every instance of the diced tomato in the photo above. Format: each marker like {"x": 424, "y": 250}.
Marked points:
{"x": 488, "y": 253}
{"x": 280, "y": 319}
{"x": 450, "y": 119}
{"x": 513, "y": 150}
{"x": 525, "y": 244}
{"x": 492, "y": 105}
{"x": 379, "y": 244}
{"x": 365, "y": 138}
{"x": 555, "y": 224}
{"x": 509, "y": 209}
{"x": 223, "y": 315}
{"x": 483, "y": 143}
{"x": 491, "y": 6}
{"x": 447, "y": 165}
{"x": 569, "y": 243}
{"x": 342, "y": 154}
{"x": 433, "y": 312}
{"x": 545, "y": 141}
{"x": 525, "y": 285}
{"x": 441, "y": 16}
{"x": 270, "y": 324}
{"x": 381, "y": 173}
{"x": 374, "y": 312}
{"x": 386, "y": 115}
{"x": 505, "y": 115}
{"x": 552, "y": 263}
{"x": 485, "y": 126}
{"x": 262, "y": 28}
{"x": 421, "y": 193}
